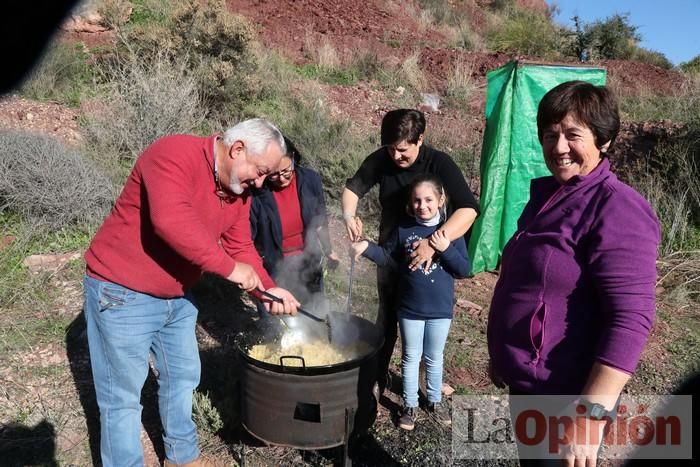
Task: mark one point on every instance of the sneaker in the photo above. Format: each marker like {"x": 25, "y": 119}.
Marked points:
{"x": 440, "y": 412}
{"x": 407, "y": 420}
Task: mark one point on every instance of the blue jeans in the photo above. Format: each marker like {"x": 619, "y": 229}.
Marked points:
{"x": 124, "y": 327}
{"x": 422, "y": 337}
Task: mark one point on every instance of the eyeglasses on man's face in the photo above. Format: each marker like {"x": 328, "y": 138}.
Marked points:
{"x": 285, "y": 173}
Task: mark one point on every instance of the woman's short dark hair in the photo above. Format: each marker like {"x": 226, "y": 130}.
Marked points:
{"x": 402, "y": 125}
{"x": 292, "y": 151}
{"x": 593, "y": 106}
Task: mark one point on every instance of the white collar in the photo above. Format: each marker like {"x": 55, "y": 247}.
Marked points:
{"x": 432, "y": 222}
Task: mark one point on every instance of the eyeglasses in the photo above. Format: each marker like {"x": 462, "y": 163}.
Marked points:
{"x": 286, "y": 173}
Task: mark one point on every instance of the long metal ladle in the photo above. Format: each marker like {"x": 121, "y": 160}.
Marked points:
{"x": 352, "y": 271}
{"x": 257, "y": 293}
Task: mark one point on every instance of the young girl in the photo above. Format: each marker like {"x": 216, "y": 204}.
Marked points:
{"x": 427, "y": 297}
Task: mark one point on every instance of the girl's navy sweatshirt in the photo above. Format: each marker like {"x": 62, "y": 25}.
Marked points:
{"x": 423, "y": 295}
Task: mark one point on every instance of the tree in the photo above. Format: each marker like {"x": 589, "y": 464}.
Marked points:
{"x": 613, "y": 38}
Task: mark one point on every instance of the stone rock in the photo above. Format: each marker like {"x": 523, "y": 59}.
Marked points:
{"x": 6, "y": 240}
{"x": 90, "y": 22}
{"x": 466, "y": 304}
{"x": 39, "y": 263}
{"x": 431, "y": 103}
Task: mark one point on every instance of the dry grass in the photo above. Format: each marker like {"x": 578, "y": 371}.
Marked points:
{"x": 411, "y": 74}
{"x": 461, "y": 86}
{"x": 50, "y": 185}
{"x": 323, "y": 54}
{"x": 146, "y": 100}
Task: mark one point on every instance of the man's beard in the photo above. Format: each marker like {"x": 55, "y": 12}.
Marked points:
{"x": 234, "y": 184}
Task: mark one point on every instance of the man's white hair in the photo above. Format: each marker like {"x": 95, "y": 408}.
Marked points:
{"x": 256, "y": 134}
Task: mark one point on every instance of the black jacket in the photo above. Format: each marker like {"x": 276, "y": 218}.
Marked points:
{"x": 266, "y": 227}
{"x": 394, "y": 182}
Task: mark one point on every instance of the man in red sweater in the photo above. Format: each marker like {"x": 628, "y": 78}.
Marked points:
{"x": 184, "y": 210}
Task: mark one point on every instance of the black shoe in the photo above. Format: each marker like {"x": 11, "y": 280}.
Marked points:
{"x": 440, "y": 412}
{"x": 407, "y": 420}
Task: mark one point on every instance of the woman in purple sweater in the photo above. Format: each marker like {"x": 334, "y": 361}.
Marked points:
{"x": 575, "y": 299}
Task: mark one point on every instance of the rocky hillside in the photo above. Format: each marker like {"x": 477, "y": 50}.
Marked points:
{"x": 394, "y": 30}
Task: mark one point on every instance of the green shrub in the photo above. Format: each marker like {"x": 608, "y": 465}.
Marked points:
{"x": 213, "y": 43}
{"x": 526, "y": 32}
{"x": 337, "y": 76}
{"x": 368, "y": 65}
{"x": 443, "y": 12}
{"x": 466, "y": 39}
{"x": 692, "y": 67}
{"x": 204, "y": 414}
{"x": 612, "y": 38}
{"x": 671, "y": 181}
{"x": 652, "y": 57}
{"x": 147, "y": 12}
{"x": 65, "y": 74}
{"x": 502, "y": 5}
{"x": 146, "y": 100}
{"x": 50, "y": 185}
{"x": 115, "y": 13}
{"x": 328, "y": 144}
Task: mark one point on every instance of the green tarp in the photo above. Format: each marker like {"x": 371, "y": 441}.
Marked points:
{"x": 511, "y": 154}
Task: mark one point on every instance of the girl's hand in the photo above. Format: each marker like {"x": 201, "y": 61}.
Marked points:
{"x": 439, "y": 241}
{"x": 357, "y": 248}
{"x": 353, "y": 225}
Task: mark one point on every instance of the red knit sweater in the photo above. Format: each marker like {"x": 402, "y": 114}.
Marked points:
{"x": 168, "y": 225}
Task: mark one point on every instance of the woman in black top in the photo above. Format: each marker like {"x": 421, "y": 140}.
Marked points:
{"x": 393, "y": 166}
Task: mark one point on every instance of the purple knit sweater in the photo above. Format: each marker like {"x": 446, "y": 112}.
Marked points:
{"x": 576, "y": 284}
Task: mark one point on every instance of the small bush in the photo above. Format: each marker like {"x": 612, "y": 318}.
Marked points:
{"x": 207, "y": 39}
{"x": 115, "y": 13}
{"x": 367, "y": 65}
{"x": 50, "y": 185}
{"x": 441, "y": 12}
{"x": 692, "y": 67}
{"x": 204, "y": 414}
{"x": 150, "y": 12}
{"x": 63, "y": 75}
{"x": 146, "y": 100}
{"x": 502, "y": 5}
{"x": 410, "y": 73}
{"x": 321, "y": 53}
{"x": 465, "y": 38}
{"x": 612, "y": 38}
{"x": 328, "y": 144}
{"x": 526, "y": 32}
{"x": 671, "y": 208}
{"x": 652, "y": 57}
{"x": 338, "y": 76}
{"x": 460, "y": 84}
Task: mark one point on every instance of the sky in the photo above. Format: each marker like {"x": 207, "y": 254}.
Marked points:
{"x": 671, "y": 27}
